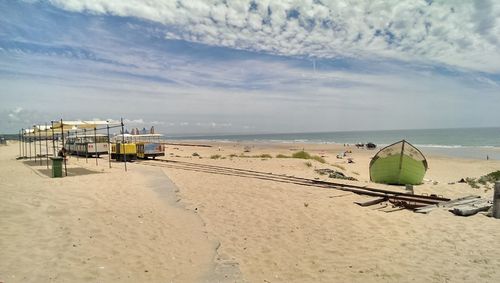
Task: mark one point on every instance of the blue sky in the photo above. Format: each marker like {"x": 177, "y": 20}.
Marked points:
{"x": 251, "y": 66}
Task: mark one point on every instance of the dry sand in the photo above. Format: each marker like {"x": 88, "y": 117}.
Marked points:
{"x": 97, "y": 225}
{"x": 109, "y": 226}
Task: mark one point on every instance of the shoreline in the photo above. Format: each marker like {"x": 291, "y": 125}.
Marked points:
{"x": 459, "y": 151}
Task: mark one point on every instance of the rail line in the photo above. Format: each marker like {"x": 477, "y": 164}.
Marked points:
{"x": 402, "y": 199}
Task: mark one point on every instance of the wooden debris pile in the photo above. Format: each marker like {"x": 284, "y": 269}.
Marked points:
{"x": 464, "y": 206}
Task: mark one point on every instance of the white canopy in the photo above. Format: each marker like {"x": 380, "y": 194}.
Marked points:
{"x": 42, "y": 131}
{"x": 80, "y": 125}
{"x": 65, "y": 126}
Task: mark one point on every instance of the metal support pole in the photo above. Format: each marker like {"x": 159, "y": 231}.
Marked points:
{"x": 95, "y": 146}
{"x": 25, "y": 149}
{"x": 109, "y": 147}
{"x": 46, "y": 146}
{"x": 34, "y": 136}
{"x": 86, "y": 146}
{"x": 29, "y": 142}
{"x": 496, "y": 201}
{"x": 75, "y": 148}
{"x": 19, "y": 141}
{"x": 22, "y": 143}
{"x": 53, "y": 139}
{"x": 123, "y": 144}
{"x": 25, "y": 145}
{"x": 40, "y": 144}
{"x": 64, "y": 155}
{"x": 67, "y": 154}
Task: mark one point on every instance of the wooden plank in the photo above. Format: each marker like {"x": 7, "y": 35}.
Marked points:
{"x": 426, "y": 209}
{"x": 394, "y": 210}
{"x": 459, "y": 201}
{"x": 455, "y": 202}
{"x": 382, "y": 207}
{"x": 371, "y": 202}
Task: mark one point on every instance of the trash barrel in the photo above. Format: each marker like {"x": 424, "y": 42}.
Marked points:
{"x": 57, "y": 164}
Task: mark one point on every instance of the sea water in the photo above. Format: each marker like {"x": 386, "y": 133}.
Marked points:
{"x": 475, "y": 143}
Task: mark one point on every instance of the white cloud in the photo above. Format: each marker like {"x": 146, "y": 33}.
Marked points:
{"x": 12, "y": 120}
{"x": 456, "y": 33}
{"x": 16, "y": 115}
{"x": 157, "y": 123}
{"x": 255, "y": 92}
{"x": 213, "y": 125}
{"x": 139, "y": 121}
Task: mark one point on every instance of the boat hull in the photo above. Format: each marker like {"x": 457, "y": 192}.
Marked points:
{"x": 398, "y": 164}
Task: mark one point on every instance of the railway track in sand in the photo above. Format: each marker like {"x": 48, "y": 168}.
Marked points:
{"x": 400, "y": 199}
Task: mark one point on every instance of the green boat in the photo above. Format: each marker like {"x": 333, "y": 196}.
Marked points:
{"x": 398, "y": 164}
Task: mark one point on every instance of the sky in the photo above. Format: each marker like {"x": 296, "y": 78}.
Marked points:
{"x": 248, "y": 66}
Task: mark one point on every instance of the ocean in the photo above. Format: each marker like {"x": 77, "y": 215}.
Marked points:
{"x": 473, "y": 143}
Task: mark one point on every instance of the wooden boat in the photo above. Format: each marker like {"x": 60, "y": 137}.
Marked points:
{"x": 398, "y": 164}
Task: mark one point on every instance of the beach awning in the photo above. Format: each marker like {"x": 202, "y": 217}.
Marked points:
{"x": 80, "y": 125}
{"x": 66, "y": 126}
{"x": 42, "y": 131}
{"x": 38, "y": 131}
{"x": 29, "y": 132}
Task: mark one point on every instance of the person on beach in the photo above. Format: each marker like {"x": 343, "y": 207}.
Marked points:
{"x": 62, "y": 153}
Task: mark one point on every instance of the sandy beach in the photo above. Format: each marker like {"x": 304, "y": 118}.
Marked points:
{"x": 239, "y": 141}
{"x": 165, "y": 224}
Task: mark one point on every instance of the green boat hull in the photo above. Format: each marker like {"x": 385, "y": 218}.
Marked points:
{"x": 398, "y": 164}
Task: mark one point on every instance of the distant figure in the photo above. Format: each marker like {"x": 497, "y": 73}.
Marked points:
{"x": 487, "y": 157}
{"x": 62, "y": 152}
